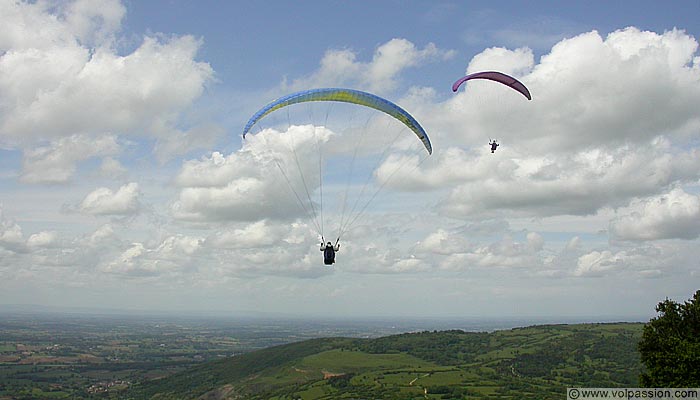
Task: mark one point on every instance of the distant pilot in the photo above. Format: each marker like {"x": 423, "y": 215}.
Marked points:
{"x": 493, "y": 144}
{"x": 329, "y": 252}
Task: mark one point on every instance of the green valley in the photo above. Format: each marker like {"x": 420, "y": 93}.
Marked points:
{"x": 537, "y": 362}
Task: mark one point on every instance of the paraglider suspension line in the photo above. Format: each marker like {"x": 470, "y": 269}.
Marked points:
{"x": 303, "y": 180}
{"x": 354, "y": 217}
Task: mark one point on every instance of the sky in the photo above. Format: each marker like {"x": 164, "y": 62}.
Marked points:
{"x": 125, "y": 182}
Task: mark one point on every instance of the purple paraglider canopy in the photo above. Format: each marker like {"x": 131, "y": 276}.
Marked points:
{"x": 495, "y": 76}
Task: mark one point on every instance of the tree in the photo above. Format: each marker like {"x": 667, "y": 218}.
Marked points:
{"x": 670, "y": 345}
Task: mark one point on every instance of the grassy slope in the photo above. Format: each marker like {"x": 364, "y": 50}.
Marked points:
{"x": 534, "y": 362}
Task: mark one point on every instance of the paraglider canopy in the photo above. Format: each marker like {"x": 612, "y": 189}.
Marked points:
{"x": 496, "y": 76}
{"x": 346, "y": 96}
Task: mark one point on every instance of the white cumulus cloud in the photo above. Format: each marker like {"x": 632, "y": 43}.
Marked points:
{"x": 600, "y": 263}
{"x": 341, "y": 67}
{"x": 249, "y": 184}
{"x": 57, "y": 162}
{"x": 675, "y": 215}
{"x": 42, "y": 239}
{"x": 62, "y": 77}
{"x": 104, "y": 201}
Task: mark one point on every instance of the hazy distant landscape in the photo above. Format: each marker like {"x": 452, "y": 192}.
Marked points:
{"x": 78, "y": 355}
{"x": 54, "y": 355}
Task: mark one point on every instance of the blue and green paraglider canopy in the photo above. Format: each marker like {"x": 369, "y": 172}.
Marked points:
{"x": 346, "y": 96}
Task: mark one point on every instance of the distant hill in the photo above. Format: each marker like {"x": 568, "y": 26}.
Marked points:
{"x": 537, "y": 362}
